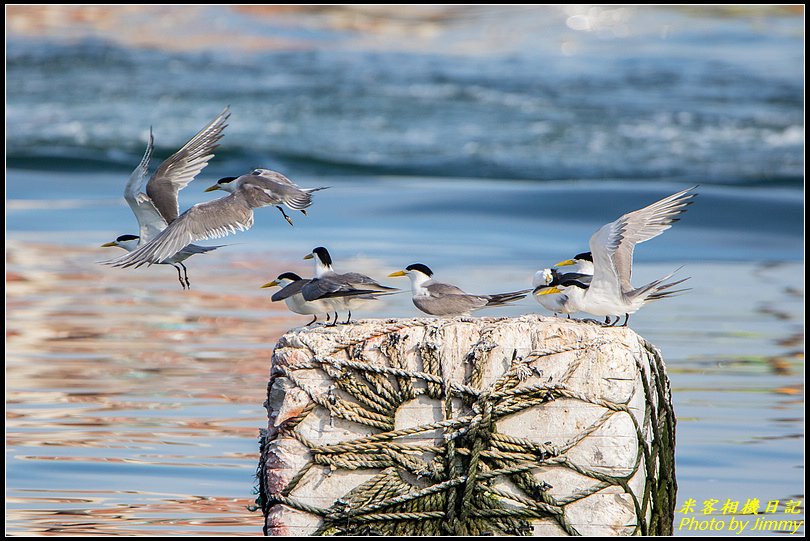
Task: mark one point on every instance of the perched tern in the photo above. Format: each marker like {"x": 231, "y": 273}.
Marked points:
{"x": 555, "y": 301}
{"x": 610, "y": 292}
{"x": 568, "y": 294}
{"x": 290, "y": 292}
{"x": 158, "y": 206}
{"x": 438, "y": 299}
{"x": 343, "y": 291}
{"x": 582, "y": 263}
{"x": 220, "y": 217}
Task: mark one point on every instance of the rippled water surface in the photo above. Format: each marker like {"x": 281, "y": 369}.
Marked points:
{"x": 486, "y": 143}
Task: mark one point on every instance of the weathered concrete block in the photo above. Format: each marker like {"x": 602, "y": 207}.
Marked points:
{"x": 521, "y": 426}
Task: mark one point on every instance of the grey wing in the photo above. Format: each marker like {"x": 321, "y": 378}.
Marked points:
{"x": 453, "y": 299}
{"x": 320, "y": 287}
{"x": 603, "y": 245}
{"x": 582, "y": 278}
{"x": 642, "y": 225}
{"x": 274, "y": 176}
{"x": 272, "y": 190}
{"x": 193, "y": 249}
{"x": 212, "y": 219}
{"x": 451, "y": 304}
{"x": 289, "y": 290}
{"x": 361, "y": 280}
{"x": 180, "y": 168}
{"x": 289, "y": 194}
{"x": 332, "y": 287}
{"x": 136, "y": 179}
{"x": 439, "y": 289}
{"x": 150, "y": 221}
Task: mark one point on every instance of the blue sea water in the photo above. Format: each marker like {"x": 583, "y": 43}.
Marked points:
{"x": 492, "y": 150}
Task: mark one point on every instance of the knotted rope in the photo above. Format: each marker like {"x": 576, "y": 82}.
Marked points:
{"x": 453, "y": 488}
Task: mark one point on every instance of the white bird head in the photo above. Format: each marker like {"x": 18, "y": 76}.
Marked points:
{"x": 228, "y": 184}
{"x": 565, "y": 287}
{"x": 283, "y": 280}
{"x": 127, "y": 242}
{"x": 543, "y": 277}
{"x": 323, "y": 261}
{"x": 582, "y": 263}
{"x": 417, "y": 272}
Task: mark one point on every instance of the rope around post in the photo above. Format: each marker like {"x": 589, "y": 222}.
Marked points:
{"x": 448, "y": 489}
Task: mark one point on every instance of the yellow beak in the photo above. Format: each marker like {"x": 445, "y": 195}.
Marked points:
{"x": 109, "y": 244}
{"x": 213, "y": 188}
{"x": 548, "y": 291}
{"x": 308, "y": 256}
{"x": 398, "y": 273}
{"x": 565, "y": 263}
{"x": 269, "y": 284}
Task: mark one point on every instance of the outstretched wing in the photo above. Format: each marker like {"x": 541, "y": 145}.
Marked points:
{"x": 150, "y": 221}
{"x": 211, "y": 219}
{"x": 612, "y": 246}
{"x": 180, "y": 168}
{"x": 364, "y": 282}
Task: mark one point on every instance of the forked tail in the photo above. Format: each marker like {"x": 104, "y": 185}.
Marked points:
{"x": 499, "y": 299}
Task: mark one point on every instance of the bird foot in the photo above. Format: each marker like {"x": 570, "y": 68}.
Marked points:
{"x": 289, "y": 221}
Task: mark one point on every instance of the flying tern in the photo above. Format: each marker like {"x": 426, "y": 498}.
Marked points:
{"x": 221, "y": 217}
{"x": 156, "y": 205}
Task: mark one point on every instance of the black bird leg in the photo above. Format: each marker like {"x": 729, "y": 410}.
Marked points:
{"x": 284, "y": 214}
{"x": 334, "y": 321}
{"x": 314, "y": 319}
{"x": 626, "y": 319}
{"x": 179, "y": 276}
{"x": 328, "y": 316}
{"x": 349, "y": 319}
{"x": 185, "y": 271}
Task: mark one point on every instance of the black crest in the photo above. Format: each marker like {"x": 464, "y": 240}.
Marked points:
{"x": 421, "y": 268}
{"x": 576, "y": 283}
{"x": 585, "y": 256}
{"x": 226, "y": 180}
{"x": 323, "y": 255}
{"x": 123, "y": 238}
{"x": 289, "y": 276}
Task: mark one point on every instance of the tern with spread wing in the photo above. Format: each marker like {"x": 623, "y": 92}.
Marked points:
{"x": 158, "y": 206}
{"x": 221, "y": 217}
{"x": 610, "y": 292}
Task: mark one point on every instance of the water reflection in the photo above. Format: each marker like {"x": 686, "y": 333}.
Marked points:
{"x": 133, "y": 407}
{"x": 117, "y": 382}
